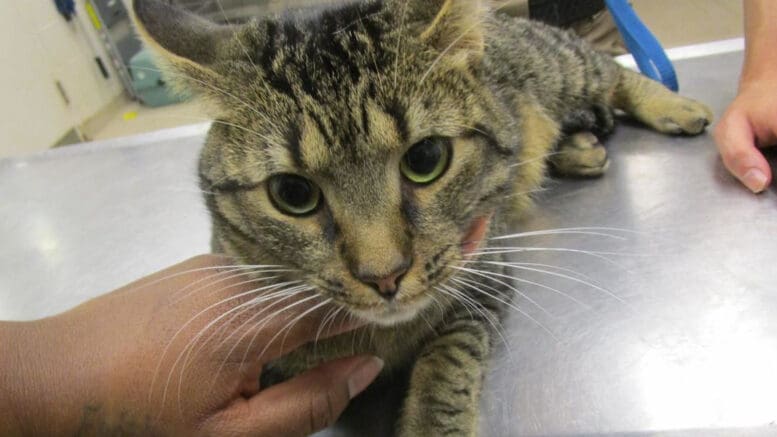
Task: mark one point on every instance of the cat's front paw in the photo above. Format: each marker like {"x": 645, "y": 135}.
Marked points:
{"x": 679, "y": 115}
{"x": 689, "y": 118}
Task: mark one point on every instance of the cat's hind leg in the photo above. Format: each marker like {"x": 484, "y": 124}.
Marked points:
{"x": 579, "y": 152}
{"x": 658, "y": 107}
{"x": 580, "y": 155}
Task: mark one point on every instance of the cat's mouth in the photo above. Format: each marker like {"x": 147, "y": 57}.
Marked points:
{"x": 475, "y": 234}
{"x": 393, "y": 313}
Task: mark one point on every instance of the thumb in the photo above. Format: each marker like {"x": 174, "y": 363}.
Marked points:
{"x": 736, "y": 141}
{"x": 311, "y": 401}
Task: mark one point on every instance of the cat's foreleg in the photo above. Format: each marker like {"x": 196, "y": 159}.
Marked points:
{"x": 658, "y": 107}
{"x": 444, "y": 394}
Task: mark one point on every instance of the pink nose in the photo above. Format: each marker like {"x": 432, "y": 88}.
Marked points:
{"x": 387, "y": 286}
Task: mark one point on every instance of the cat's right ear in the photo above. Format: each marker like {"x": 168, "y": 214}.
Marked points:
{"x": 452, "y": 27}
{"x": 188, "y": 47}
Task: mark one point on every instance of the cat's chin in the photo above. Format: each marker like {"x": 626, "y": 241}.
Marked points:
{"x": 393, "y": 313}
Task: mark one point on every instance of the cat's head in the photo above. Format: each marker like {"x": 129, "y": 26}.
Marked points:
{"x": 358, "y": 144}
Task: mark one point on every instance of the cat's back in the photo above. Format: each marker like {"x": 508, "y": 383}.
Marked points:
{"x": 525, "y": 56}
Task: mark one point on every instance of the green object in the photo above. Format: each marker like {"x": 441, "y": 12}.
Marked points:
{"x": 148, "y": 82}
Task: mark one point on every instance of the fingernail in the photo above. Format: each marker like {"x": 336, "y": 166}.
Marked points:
{"x": 363, "y": 375}
{"x": 755, "y": 180}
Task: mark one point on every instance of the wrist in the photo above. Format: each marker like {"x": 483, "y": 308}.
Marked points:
{"x": 17, "y": 416}
{"x": 41, "y": 393}
{"x": 762, "y": 74}
{"x": 760, "y": 37}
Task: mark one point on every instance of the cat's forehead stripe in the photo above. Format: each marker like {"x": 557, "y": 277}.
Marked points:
{"x": 311, "y": 155}
{"x": 370, "y": 130}
{"x": 397, "y": 112}
{"x": 334, "y": 49}
{"x": 293, "y": 139}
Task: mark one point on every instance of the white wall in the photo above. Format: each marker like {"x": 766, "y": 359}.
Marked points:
{"x": 37, "y": 48}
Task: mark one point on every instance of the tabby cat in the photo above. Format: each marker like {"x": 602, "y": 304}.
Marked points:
{"x": 373, "y": 147}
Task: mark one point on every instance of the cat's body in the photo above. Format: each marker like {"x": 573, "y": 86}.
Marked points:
{"x": 356, "y": 104}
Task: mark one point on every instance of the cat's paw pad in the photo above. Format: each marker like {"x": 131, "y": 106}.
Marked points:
{"x": 580, "y": 155}
{"x": 686, "y": 118}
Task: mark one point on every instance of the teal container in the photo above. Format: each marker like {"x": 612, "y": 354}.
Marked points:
{"x": 148, "y": 82}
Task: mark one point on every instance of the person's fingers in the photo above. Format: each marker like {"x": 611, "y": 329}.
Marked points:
{"x": 737, "y": 144}
{"x": 250, "y": 326}
{"x": 303, "y": 405}
{"x": 246, "y": 313}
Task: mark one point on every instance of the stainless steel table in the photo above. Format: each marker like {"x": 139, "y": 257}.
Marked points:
{"x": 669, "y": 325}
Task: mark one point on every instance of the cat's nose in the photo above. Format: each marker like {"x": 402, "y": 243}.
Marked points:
{"x": 387, "y": 285}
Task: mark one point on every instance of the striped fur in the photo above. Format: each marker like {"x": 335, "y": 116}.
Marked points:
{"x": 338, "y": 95}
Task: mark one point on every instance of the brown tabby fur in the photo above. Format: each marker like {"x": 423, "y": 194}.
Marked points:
{"x": 338, "y": 95}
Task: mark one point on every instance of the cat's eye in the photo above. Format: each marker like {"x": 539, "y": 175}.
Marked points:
{"x": 293, "y": 194}
{"x": 427, "y": 160}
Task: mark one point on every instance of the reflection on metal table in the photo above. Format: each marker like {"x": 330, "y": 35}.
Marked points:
{"x": 668, "y": 319}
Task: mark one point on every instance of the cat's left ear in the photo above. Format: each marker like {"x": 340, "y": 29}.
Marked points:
{"x": 457, "y": 30}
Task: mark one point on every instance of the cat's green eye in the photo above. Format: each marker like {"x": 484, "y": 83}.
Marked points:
{"x": 293, "y": 194}
{"x": 427, "y": 160}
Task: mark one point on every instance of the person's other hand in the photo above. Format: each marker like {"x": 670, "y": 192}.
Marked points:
{"x": 180, "y": 353}
{"x": 750, "y": 122}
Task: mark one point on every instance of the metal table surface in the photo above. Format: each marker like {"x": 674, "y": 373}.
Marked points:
{"x": 669, "y": 326}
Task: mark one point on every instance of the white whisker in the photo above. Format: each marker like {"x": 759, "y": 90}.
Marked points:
{"x": 553, "y": 267}
{"x": 510, "y": 305}
{"x": 192, "y": 319}
{"x": 456, "y": 298}
{"x": 329, "y": 317}
{"x": 401, "y": 30}
{"x": 597, "y": 231}
{"x": 208, "y": 85}
{"x": 188, "y": 353}
{"x": 482, "y": 310}
{"x": 512, "y": 250}
{"x": 233, "y": 275}
{"x": 524, "y": 193}
{"x": 495, "y": 277}
{"x": 469, "y": 302}
{"x": 537, "y": 284}
{"x": 190, "y": 271}
{"x": 447, "y": 49}
{"x": 539, "y": 158}
{"x": 289, "y": 325}
{"x": 212, "y": 291}
{"x": 355, "y": 22}
{"x": 257, "y": 327}
{"x": 284, "y": 293}
{"x": 559, "y": 275}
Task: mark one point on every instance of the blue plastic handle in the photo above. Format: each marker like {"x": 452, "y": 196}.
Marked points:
{"x": 67, "y": 8}
{"x": 643, "y": 45}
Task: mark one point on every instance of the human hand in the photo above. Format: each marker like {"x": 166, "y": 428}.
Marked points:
{"x": 749, "y": 123}
{"x": 176, "y": 353}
